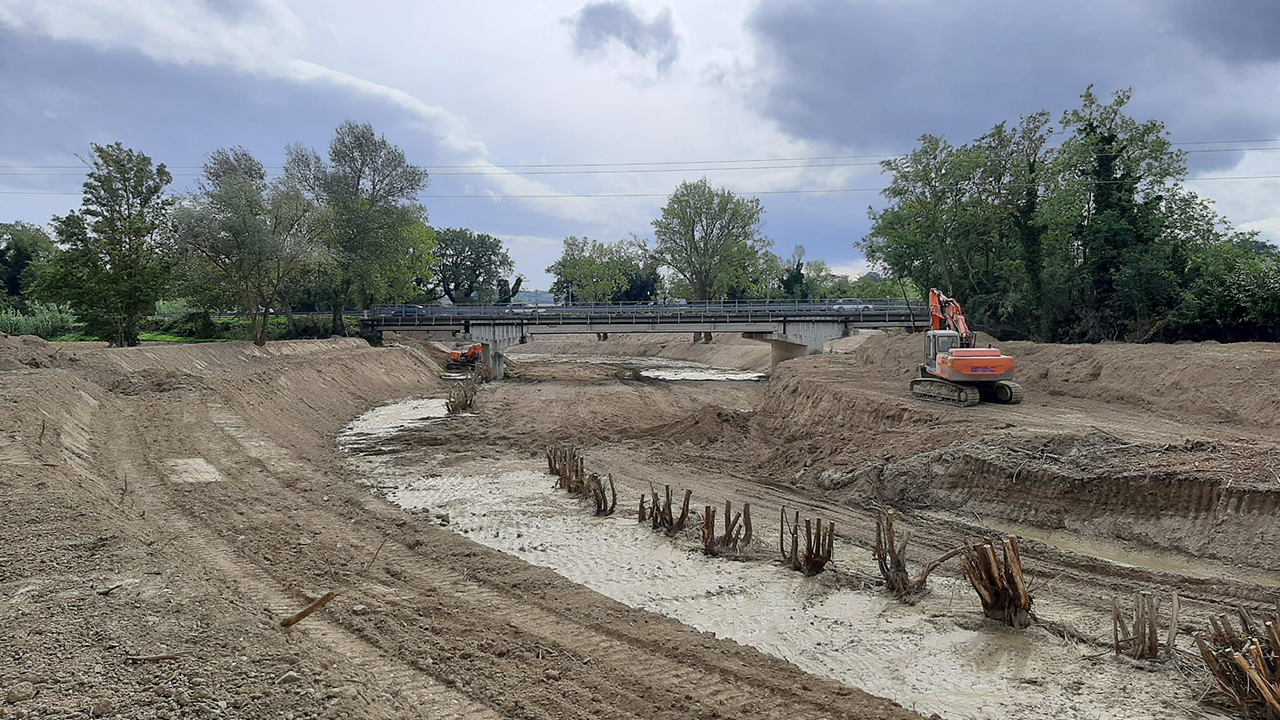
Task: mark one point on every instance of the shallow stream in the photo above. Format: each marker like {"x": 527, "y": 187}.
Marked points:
{"x": 650, "y": 367}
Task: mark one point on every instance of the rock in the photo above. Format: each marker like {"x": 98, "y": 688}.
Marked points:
{"x": 21, "y": 692}
{"x": 359, "y": 609}
{"x": 102, "y": 708}
{"x": 551, "y": 675}
{"x": 441, "y": 517}
{"x": 289, "y": 677}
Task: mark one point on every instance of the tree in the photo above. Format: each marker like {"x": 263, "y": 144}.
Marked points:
{"x": 247, "y": 237}
{"x": 118, "y": 251}
{"x": 1093, "y": 239}
{"x": 1117, "y": 169}
{"x": 592, "y": 271}
{"x": 21, "y": 246}
{"x": 473, "y": 268}
{"x": 585, "y": 273}
{"x": 710, "y": 238}
{"x": 639, "y": 267}
{"x": 378, "y": 243}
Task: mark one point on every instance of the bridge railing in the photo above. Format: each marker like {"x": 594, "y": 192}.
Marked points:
{"x": 670, "y": 313}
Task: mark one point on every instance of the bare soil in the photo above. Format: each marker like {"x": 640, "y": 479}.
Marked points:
{"x": 163, "y": 508}
{"x": 1127, "y": 469}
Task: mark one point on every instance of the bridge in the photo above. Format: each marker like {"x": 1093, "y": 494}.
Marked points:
{"x": 792, "y": 328}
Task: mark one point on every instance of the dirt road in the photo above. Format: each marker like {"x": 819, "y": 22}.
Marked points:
{"x": 164, "y": 508}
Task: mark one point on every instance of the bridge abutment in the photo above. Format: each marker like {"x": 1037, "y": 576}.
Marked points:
{"x": 798, "y": 339}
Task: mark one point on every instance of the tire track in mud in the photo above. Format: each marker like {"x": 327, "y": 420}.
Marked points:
{"x": 1082, "y": 579}
{"x": 392, "y": 688}
{"x": 626, "y": 664}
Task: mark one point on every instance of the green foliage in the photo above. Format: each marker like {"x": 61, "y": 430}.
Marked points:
{"x": 118, "y": 251}
{"x": 815, "y": 279}
{"x": 198, "y": 326}
{"x": 711, "y": 239}
{"x": 473, "y": 268}
{"x": 46, "y": 320}
{"x": 1092, "y": 239}
{"x": 590, "y": 271}
{"x": 22, "y": 245}
{"x": 245, "y": 239}
{"x": 378, "y": 245}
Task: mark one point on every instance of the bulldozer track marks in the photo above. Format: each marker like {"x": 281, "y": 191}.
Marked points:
{"x": 387, "y": 666}
{"x": 390, "y": 687}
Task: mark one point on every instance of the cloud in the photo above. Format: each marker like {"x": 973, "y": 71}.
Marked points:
{"x": 877, "y": 74}
{"x": 1241, "y": 30}
{"x": 264, "y": 39}
{"x": 854, "y": 268}
{"x": 599, "y": 23}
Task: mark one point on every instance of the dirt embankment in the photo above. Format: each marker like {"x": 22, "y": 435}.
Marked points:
{"x": 1233, "y": 384}
{"x": 1112, "y": 441}
{"x": 730, "y": 350}
{"x": 163, "y": 508}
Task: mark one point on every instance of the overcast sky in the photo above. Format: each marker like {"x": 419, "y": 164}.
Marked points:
{"x": 497, "y": 85}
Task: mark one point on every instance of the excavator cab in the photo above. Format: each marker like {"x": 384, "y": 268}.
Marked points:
{"x": 939, "y": 341}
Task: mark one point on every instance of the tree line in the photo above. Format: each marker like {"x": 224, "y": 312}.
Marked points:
{"x": 708, "y": 245}
{"x": 331, "y": 232}
{"x": 1079, "y": 231}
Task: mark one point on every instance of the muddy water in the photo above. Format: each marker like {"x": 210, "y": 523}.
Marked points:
{"x": 650, "y": 367}
{"x": 938, "y": 657}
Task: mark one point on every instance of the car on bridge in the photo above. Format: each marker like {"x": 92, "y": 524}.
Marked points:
{"x": 853, "y": 304}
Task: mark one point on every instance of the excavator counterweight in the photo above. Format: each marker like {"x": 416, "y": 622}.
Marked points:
{"x": 954, "y": 371}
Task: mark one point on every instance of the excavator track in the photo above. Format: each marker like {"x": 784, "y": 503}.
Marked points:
{"x": 1008, "y": 393}
{"x": 947, "y": 393}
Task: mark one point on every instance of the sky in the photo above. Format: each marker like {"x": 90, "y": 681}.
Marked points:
{"x": 518, "y": 109}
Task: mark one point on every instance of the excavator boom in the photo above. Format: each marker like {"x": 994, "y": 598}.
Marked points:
{"x": 946, "y": 314}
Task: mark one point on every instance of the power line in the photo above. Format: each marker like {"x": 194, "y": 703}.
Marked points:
{"x": 814, "y": 158}
{"x": 740, "y": 192}
{"x": 13, "y": 171}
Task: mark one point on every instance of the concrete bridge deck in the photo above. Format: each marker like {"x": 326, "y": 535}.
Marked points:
{"x": 792, "y": 328}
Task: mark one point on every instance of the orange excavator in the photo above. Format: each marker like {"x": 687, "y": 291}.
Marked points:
{"x": 464, "y": 359}
{"x": 954, "y": 371}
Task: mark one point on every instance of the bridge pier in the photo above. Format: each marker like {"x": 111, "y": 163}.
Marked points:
{"x": 494, "y": 341}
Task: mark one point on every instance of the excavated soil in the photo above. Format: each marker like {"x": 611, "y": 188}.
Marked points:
{"x": 1118, "y": 481}
{"x": 164, "y": 508}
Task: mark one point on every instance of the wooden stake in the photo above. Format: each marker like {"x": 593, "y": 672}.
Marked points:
{"x": 303, "y": 613}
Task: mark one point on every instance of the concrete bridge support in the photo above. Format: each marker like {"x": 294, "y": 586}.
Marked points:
{"x": 494, "y": 341}
{"x": 798, "y": 339}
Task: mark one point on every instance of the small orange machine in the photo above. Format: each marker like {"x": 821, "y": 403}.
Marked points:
{"x": 954, "y": 371}
{"x": 464, "y": 359}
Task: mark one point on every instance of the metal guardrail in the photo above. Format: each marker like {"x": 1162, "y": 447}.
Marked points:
{"x": 889, "y": 312}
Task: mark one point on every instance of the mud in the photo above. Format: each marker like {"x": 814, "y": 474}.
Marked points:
{"x": 182, "y": 500}
{"x": 860, "y": 637}
{"x": 183, "y": 521}
{"x": 656, "y": 368}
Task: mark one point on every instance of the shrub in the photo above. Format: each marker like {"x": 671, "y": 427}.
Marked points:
{"x": 46, "y": 320}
